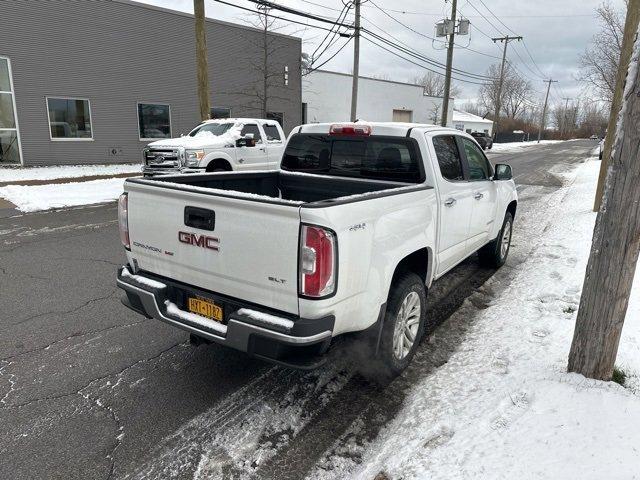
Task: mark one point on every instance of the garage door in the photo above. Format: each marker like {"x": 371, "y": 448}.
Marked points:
{"x": 403, "y": 116}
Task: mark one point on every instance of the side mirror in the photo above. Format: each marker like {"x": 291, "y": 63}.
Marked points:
{"x": 503, "y": 172}
{"x": 245, "y": 142}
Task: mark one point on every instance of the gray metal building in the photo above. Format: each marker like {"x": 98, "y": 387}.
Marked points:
{"x": 93, "y": 81}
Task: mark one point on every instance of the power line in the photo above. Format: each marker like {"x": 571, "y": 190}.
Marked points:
{"x": 406, "y": 12}
{"x": 293, "y": 11}
{"x": 341, "y": 17}
{"x": 424, "y": 58}
{"x": 250, "y": 10}
{"x": 494, "y": 16}
{"x": 328, "y": 59}
{"x": 419, "y": 64}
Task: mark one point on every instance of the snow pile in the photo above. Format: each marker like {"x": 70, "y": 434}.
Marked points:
{"x": 69, "y": 171}
{"x": 266, "y": 318}
{"x": 147, "y": 282}
{"x": 519, "y": 146}
{"x": 32, "y": 198}
{"x": 503, "y": 406}
{"x": 194, "y": 318}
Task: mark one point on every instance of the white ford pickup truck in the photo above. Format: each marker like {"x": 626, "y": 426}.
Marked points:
{"x": 347, "y": 237}
{"x": 218, "y": 145}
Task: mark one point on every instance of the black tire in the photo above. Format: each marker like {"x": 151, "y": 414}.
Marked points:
{"x": 390, "y": 365}
{"x": 492, "y": 254}
{"x": 490, "y": 146}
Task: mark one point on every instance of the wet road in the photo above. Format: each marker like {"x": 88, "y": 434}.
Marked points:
{"x": 88, "y": 389}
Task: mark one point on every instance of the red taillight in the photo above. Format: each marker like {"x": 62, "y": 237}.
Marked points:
{"x": 123, "y": 220}
{"x": 317, "y": 262}
{"x": 356, "y": 129}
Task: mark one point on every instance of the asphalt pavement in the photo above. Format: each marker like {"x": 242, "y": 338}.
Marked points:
{"x": 89, "y": 389}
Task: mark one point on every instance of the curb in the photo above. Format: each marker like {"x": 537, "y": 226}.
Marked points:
{"x": 68, "y": 180}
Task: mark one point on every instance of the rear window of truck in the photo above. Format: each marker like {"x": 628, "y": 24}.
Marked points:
{"x": 377, "y": 157}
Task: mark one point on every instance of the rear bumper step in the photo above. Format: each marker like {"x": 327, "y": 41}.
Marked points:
{"x": 292, "y": 341}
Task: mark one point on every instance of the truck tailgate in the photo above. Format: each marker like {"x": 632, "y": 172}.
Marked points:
{"x": 256, "y": 259}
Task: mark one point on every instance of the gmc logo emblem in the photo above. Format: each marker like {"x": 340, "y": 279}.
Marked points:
{"x": 202, "y": 241}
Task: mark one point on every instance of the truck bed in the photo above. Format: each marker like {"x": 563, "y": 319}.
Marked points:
{"x": 280, "y": 186}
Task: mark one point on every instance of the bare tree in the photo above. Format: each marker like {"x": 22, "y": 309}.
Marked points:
{"x": 435, "y": 113}
{"x": 516, "y": 96}
{"x": 473, "y": 107}
{"x": 381, "y": 76}
{"x": 599, "y": 62}
{"x": 433, "y": 84}
{"x": 264, "y": 77}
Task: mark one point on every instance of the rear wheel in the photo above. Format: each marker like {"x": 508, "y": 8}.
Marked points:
{"x": 404, "y": 324}
{"x": 494, "y": 254}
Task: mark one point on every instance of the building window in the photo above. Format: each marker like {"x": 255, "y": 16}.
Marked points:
{"x": 9, "y": 134}
{"x": 154, "y": 121}
{"x": 69, "y": 118}
{"x": 304, "y": 113}
{"x": 277, "y": 116}
{"x": 220, "y": 112}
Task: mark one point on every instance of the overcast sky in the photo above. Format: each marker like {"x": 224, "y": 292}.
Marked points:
{"x": 556, "y": 32}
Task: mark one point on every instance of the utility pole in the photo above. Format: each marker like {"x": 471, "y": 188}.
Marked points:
{"x": 447, "y": 78}
{"x": 616, "y": 240}
{"x": 356, "y": 63}
{"x": 563, "y": 130}
{"x": 265, "y": 60}
{"x": 201, "y": 59}
{"x": 544, "y": 109}
{"x": 630, "y": 30}
{"x": 496, "y": 115}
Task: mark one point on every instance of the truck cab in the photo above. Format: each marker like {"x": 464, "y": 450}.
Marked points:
{"x": 230, "y": 144}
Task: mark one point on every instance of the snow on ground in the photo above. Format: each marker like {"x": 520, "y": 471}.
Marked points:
{"x": 519, "y": 146}
{"x": 68, "y": 171}
{"x": 33, "y": 198}
{"x": 503, "y": 406}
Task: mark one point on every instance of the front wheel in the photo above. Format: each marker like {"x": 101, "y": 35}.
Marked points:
{"x": 494, "y": 254}
{"x": 404, "y": 324}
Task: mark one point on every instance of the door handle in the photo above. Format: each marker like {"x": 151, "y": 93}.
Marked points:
{"x": 449, "y": 202}
{"x": 478, "y": 195}
{"x": 262, "y": 149}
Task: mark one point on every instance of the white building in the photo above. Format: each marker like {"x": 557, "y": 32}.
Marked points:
{"x": 326, "y": 97}
{"x": 467, "y": 122}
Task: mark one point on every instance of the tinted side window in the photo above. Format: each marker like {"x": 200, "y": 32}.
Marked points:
{"x": 448, "y": 157}
{"x": 479, "y": 168}
{"x": 252, "y": 128}
{"x": 271, "y": 131}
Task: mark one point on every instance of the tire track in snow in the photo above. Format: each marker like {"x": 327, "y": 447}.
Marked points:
{"x": 235, "y": 437}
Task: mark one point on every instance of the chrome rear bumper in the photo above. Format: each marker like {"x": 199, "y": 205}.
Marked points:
{"x": 148, "y": 297}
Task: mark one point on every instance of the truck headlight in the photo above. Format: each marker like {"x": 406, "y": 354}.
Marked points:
{"x": 193, "y": 157}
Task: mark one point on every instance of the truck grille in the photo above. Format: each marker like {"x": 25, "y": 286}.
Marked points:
{"x": 162, "y": 157}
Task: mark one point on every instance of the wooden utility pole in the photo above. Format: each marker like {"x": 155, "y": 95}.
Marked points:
{"x": 565, "y": 117}
{"x": 265, "y": 59}
{"x": 615, "y": 247}
{"x": 496, "y": 115}
{"x": 356, "y": 63}
{"x": 201, "y": 59}
{"x": 630, "y": 29}
{"x": 544, "y": 109}
{"x": 447, "y": 77}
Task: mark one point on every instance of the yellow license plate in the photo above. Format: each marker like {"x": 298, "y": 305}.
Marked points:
{"x": 205, "y": 308}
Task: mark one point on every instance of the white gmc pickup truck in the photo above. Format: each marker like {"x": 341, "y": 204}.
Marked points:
{"x": 218, "y": 145}
{"x": 347, "y": 237}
